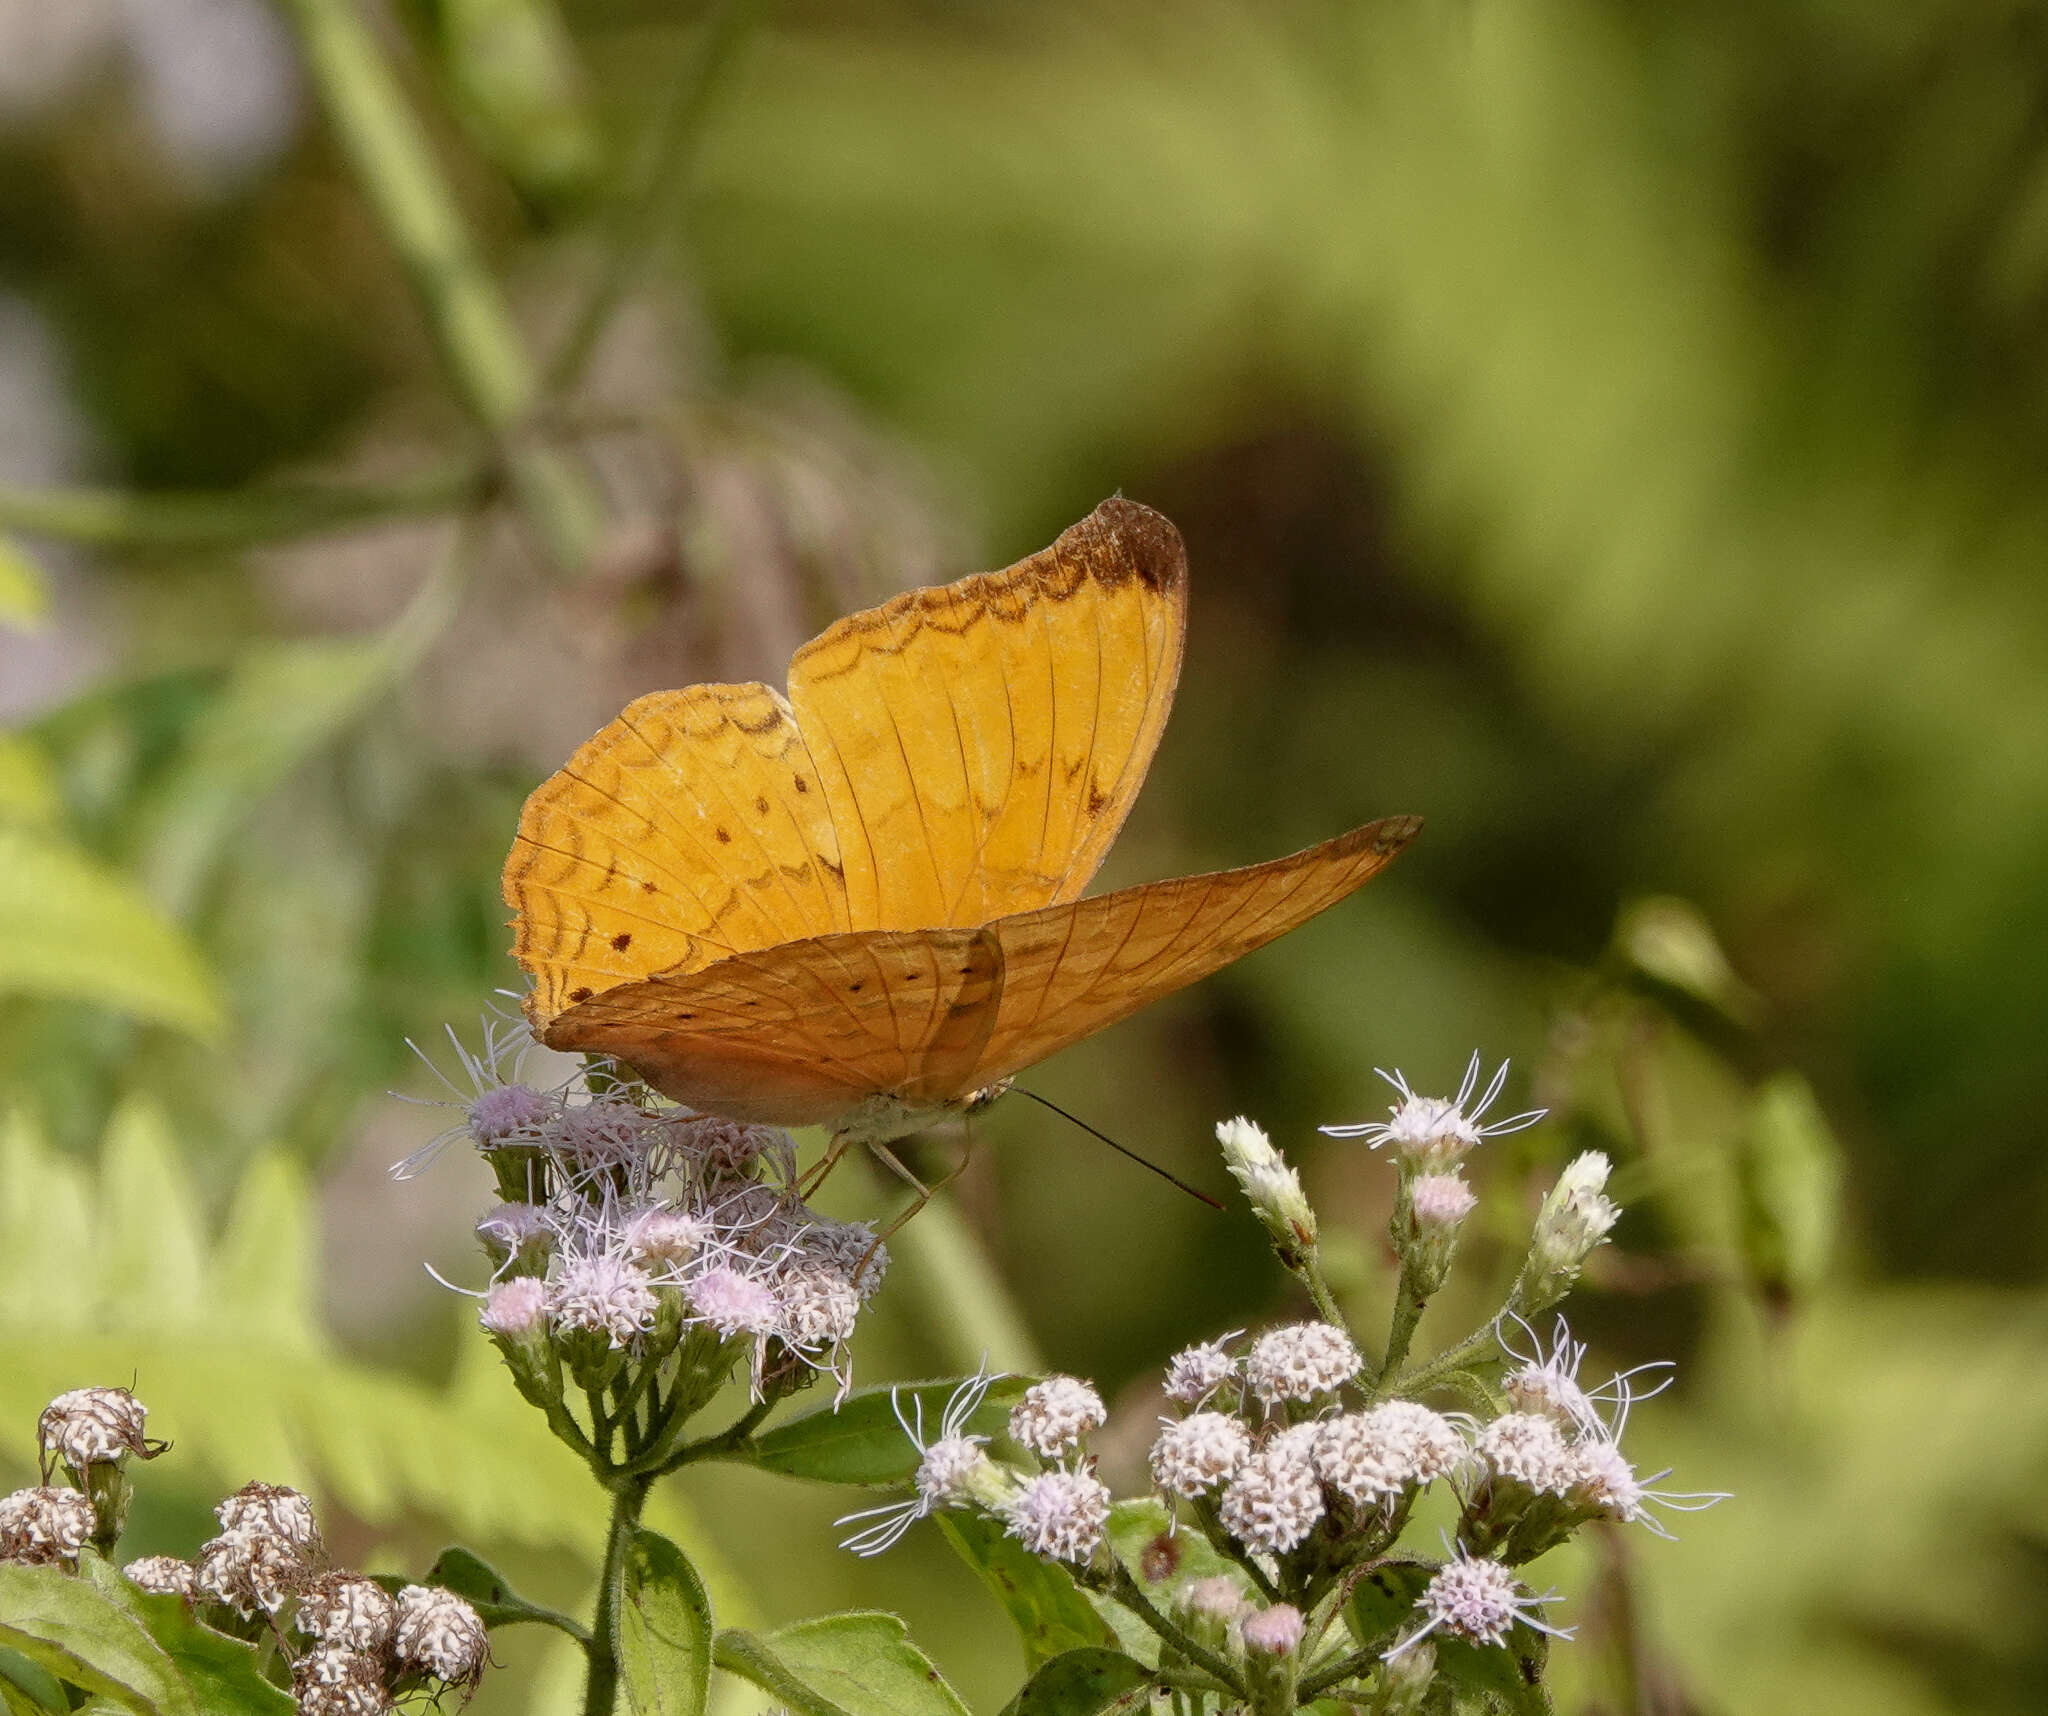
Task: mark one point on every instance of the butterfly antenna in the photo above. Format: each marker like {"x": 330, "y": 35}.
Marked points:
{"x": 1121, "y": 1149}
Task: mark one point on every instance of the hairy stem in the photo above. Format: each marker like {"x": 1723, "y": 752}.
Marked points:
{"x": 601, "y": 1681}
{"x": 1125, "y": 1590}
{"x": 472, "y": 325}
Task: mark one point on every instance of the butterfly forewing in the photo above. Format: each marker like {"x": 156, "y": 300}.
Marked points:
{"x": 1069, "y": 970}
{"x": 982, "y": 743}
{"x": 691, "y": 828}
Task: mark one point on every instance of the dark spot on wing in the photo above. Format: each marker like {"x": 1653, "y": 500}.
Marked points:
{"x": 802, "y": 785}
{"x": 647, "y": 887}
{"x": 761, "y": 806}
{"x": 724, "y": 838}
{"x": 580, "y": 994}
{"x": 623, "y": 940}
{"x": 1098, "y": 800}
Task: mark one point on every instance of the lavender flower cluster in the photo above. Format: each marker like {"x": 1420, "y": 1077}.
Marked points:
{"x": 638, "y": 1238}
{"x": 353, "y": 1647}
{"x": 1300, "y": 1461}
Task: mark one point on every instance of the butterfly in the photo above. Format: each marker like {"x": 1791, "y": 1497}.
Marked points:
{"x": 858, "y": 906}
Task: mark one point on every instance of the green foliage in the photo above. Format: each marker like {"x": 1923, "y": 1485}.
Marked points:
{"x": 1083, "y": 1683}
{"x": 1052, "y": 1615}
{"x": 94, "y": 1631}
{"x": 480, "y": 1585}
{"x": 842, "y": 1665}
{"x": 223, "y": 1336}
{"x": 71, "y": 926}
{"x": 661, "y": 1630}
{"x": 860, "y": 1440}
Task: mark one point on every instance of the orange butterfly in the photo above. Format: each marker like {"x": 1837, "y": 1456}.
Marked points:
{"x": 857, "y": 906}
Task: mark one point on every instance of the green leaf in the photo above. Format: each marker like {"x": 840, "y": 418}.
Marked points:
{"x": 280, "y": 705}
{"x": 28, "y": 784}
{"x": 1050, "y": 1612}
{"x": 78, "y": 1634}
{"x": 1511, "y": 1672}
{"x": 863, "y": 1442}
{"x": 24, "y": 591}
{"x": 857, "y": 1664}
{"x": 1383, "y": 1602}
{"x": 224, "y": 1674}
{"x": 662, "y": 1630}
{"x": 1083, "y": 1683}
{"x": 151, "y": 1241}
{"x": 1158, "y": 1556}
{"x": 31, "y": 1683}
{"x": 70, "y": 926}
{"x": 1790, "y": 1177}
{"x": 485, "y": 1590}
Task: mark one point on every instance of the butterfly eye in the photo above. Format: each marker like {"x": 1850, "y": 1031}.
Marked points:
{"x": 980, "y": 1099}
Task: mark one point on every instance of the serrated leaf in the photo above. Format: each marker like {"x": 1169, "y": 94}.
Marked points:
{"x": 480, "y": 1585}
{"x": 150, "y": 1243}
{"x": 24, "y": 590}
{"x": 224, "y": 1674}
{"x": 71, "y": 926}
{"x": 857, "y": 1664}
{"x": 77, "y": 1634}
{"x": 1050, "y": 1612}
{"x": 46, "y": 1225}
{"x": 263, "y": 1265}
{"x": 661, "y": 1630}
{"x": 862, "y": 1441}
{"x": 1511, "y": 1672}
{"x": 1085, "y": 1683}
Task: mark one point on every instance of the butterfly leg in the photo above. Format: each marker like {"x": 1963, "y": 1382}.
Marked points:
{"x": 837, "y": 1148}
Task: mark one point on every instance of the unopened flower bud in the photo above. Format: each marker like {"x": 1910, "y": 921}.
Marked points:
{"x": 1271, "y": 1187}
{"x": 517, "y": 1238}
{"x": 91, "y": 1432}
{"x": 1575, "y": 1217}
{"x": 332, "y": 1680}
{"x": 1197, "y": 1372}
{"x": 1425, "y": 1228}
{"x": 346, "y": 1611}
{"x": 1404, "y": 1680}
{"x": 1275, "y": 1631}
{"x": 1299, "y": 1362}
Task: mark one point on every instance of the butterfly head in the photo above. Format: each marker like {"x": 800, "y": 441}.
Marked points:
{"x": 977, "y": 1100}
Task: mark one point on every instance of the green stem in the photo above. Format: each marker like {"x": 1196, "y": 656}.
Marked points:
{"x": 1344, "y": 1668}
{"x": 1408, "y": 1307}
{"x": 109, "y": 518}
{"x": 1485, "y": 1339}
{"x": 640, "y": 219}
{"x": 479, "y": 341}
{"x": 1125, "y": 1590}
{"x": 727, "y": 1442}
{"x": 601, "y": 1681}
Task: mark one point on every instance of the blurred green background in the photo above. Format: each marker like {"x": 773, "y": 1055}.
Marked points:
{"x": 1611, "y": 430}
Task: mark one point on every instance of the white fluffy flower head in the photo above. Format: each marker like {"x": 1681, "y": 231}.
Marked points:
{"x": 46, "y": 1524}
{"x": 1060, "y": 1515}
{"x": 1055, "y": 1414}
{"x": 1300, "y": 1362}
{"x": 1274, "y": 1501}
{"x": 94, "y": 1426}
{"x": 1377, "y": 1455}
{"x": 1195, "y": 1373}
{"x": 602, "y": 1293}
{"x": 441, "y": 1634}
{"x": 1193, "y": 1455}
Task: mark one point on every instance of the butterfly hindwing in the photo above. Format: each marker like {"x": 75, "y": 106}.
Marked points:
{"x": 800, "y": 1033}
{"x": 982, "y": 742}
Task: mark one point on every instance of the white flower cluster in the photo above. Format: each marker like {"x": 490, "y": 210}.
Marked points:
{"x": 627, "y": 1224}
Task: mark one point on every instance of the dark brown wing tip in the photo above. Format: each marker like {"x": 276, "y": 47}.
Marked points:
{"x": 1132, "y": 539}
{"x": 1391, "y": 833}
